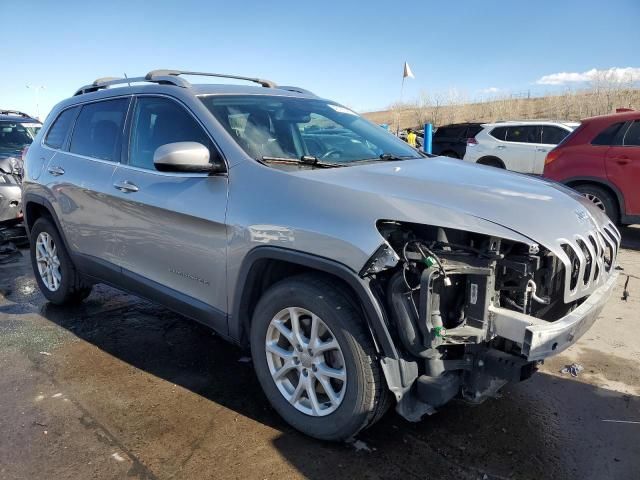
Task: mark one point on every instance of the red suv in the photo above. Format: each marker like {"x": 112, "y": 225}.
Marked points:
{"x": 601, "y": 160}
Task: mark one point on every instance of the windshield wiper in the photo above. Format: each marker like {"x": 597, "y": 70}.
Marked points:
{"x": 304, "y": 160}
{"x": 393, "y": 157}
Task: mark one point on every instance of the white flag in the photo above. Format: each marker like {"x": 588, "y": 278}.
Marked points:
{"x": 407, "y": 71}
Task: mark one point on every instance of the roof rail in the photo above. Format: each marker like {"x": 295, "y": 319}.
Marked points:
{"x": 296, "y": 89}
{"x": 14, "y": 112}
{"x": 165, "y": 77}
{"x": 154, "y": 74}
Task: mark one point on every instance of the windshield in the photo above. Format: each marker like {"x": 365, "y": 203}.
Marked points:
{"x": 268, "y": 126}
{"x": 16, "y": 135}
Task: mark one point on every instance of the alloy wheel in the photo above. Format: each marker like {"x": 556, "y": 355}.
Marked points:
{"x": 306, "y": 361}
{"x": 48, "y": 261}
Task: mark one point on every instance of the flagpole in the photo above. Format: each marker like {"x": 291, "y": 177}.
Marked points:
{"x": 400, "y": 105}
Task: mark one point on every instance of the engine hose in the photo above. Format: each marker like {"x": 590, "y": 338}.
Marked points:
{"x": 403, "y": 312}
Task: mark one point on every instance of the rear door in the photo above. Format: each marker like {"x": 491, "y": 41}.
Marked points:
{"x": 623, "y": 166}
{"x": 170, "y": 227}
{"x": 518, "y": 151}
{"x": 80, "y": 178}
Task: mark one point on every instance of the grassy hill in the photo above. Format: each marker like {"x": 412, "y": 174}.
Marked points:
{"x": 571, "y": 105}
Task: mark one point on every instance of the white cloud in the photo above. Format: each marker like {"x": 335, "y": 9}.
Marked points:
{"x": 490, "y": 90}
{"x": 614, "y": 74}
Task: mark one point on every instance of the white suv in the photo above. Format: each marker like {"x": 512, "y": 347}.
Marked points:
{"x": 518, "y": 146}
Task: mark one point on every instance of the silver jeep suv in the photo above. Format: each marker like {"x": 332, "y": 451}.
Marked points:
{"x": 360, "y": 272}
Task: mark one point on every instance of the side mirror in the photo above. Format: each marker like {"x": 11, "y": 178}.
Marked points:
{"x": 190, "y": 157}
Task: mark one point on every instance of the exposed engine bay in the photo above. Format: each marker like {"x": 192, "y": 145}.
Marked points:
{"x": 440, "y": 285}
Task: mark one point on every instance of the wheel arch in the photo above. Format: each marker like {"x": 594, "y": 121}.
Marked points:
{"x": 36, "y": 206}
{"x": 491, "y": 161}
{"x": 599, "y": 182}
{"x": 264, "y": 266}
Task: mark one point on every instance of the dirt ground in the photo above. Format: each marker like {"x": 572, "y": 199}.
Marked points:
{"x": 121, "y": 388}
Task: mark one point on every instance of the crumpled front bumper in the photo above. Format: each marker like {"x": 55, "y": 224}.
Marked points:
{"x": 541, "y": 339}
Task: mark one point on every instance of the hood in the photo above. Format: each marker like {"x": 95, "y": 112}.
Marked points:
{"x": 541, "y": 210}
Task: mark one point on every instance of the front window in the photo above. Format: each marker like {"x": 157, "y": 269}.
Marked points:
{"x": 273, "y": 127}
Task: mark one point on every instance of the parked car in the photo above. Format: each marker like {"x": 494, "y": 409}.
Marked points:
{"x": 518, "y": 146}
{"x": 358, "y": 278}
{"x": 17, "y": 131}
{"x": 452, "y": 140}
{"x": 601, "y": 160}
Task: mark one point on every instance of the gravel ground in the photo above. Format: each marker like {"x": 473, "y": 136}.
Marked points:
{"x": 121, "y": 388}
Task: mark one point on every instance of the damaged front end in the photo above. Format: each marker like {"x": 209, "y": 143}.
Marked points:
{"x": 473, "y": 312}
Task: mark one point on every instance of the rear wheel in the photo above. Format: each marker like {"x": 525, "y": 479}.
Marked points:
{"x": 55, "y": 274}
{"x": 602, "y": 199}
{"x": 315, "y": 359}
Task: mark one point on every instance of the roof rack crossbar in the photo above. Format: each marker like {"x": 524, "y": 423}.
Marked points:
{"x": 155, "y": 74}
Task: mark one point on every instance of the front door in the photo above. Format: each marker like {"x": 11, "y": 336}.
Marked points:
{"x": 170, "y": 227}
{"x": 623, "y": 167}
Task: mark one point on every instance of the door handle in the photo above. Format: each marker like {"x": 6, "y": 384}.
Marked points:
{"x": 500, "y": 147}
{"x": 622, "y": 160}
{"x": 126, "y": 186}
{"x": 56, "y": 171}
{"x": 541, "y": 150}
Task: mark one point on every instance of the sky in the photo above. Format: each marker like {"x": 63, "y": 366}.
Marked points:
{"x": 350, "y": 52}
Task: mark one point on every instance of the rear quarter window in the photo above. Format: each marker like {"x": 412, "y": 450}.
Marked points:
{"x": 608, "y": 136}
{"x": 499, "y": 133}
{"x": 59, "y": 130}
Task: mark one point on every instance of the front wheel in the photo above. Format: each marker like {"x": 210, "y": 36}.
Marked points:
{"x": 315, "y": 359}
{"x": 601, "y": 199}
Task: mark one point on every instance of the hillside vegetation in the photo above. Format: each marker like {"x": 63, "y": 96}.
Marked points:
{"x": 571, "y": 105}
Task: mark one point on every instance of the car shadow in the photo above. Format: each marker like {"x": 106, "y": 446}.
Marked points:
{"x": 547, "y": 427}
{"x": 631, "y": 237}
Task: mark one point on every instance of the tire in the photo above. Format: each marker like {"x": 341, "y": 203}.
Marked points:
{"x": 70, "y": 287}
{"x": 602, "y": 199}
{"x": 364, "y": 396}
{"x": 491, "y": 162}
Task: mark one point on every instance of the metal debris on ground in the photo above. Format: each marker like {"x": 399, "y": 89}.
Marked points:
{"x": 45, "y": 353}
{"x": 359, "y": 445}
{"x": 574, "y": 369}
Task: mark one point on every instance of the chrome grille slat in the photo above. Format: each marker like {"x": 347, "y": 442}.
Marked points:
{"x": 596, "y": 242}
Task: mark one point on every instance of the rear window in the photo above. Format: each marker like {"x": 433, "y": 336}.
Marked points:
{"x": 632, "y": 137}
{"x": 98, "y": 130}
{"x": 58, "y": 132}
{"x": 473, "y": 131}
{"x": 609, "y": 135}
{"x": 451, "y": 132}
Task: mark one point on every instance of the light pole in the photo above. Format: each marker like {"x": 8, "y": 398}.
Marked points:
{"x": 37, "y": 89}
